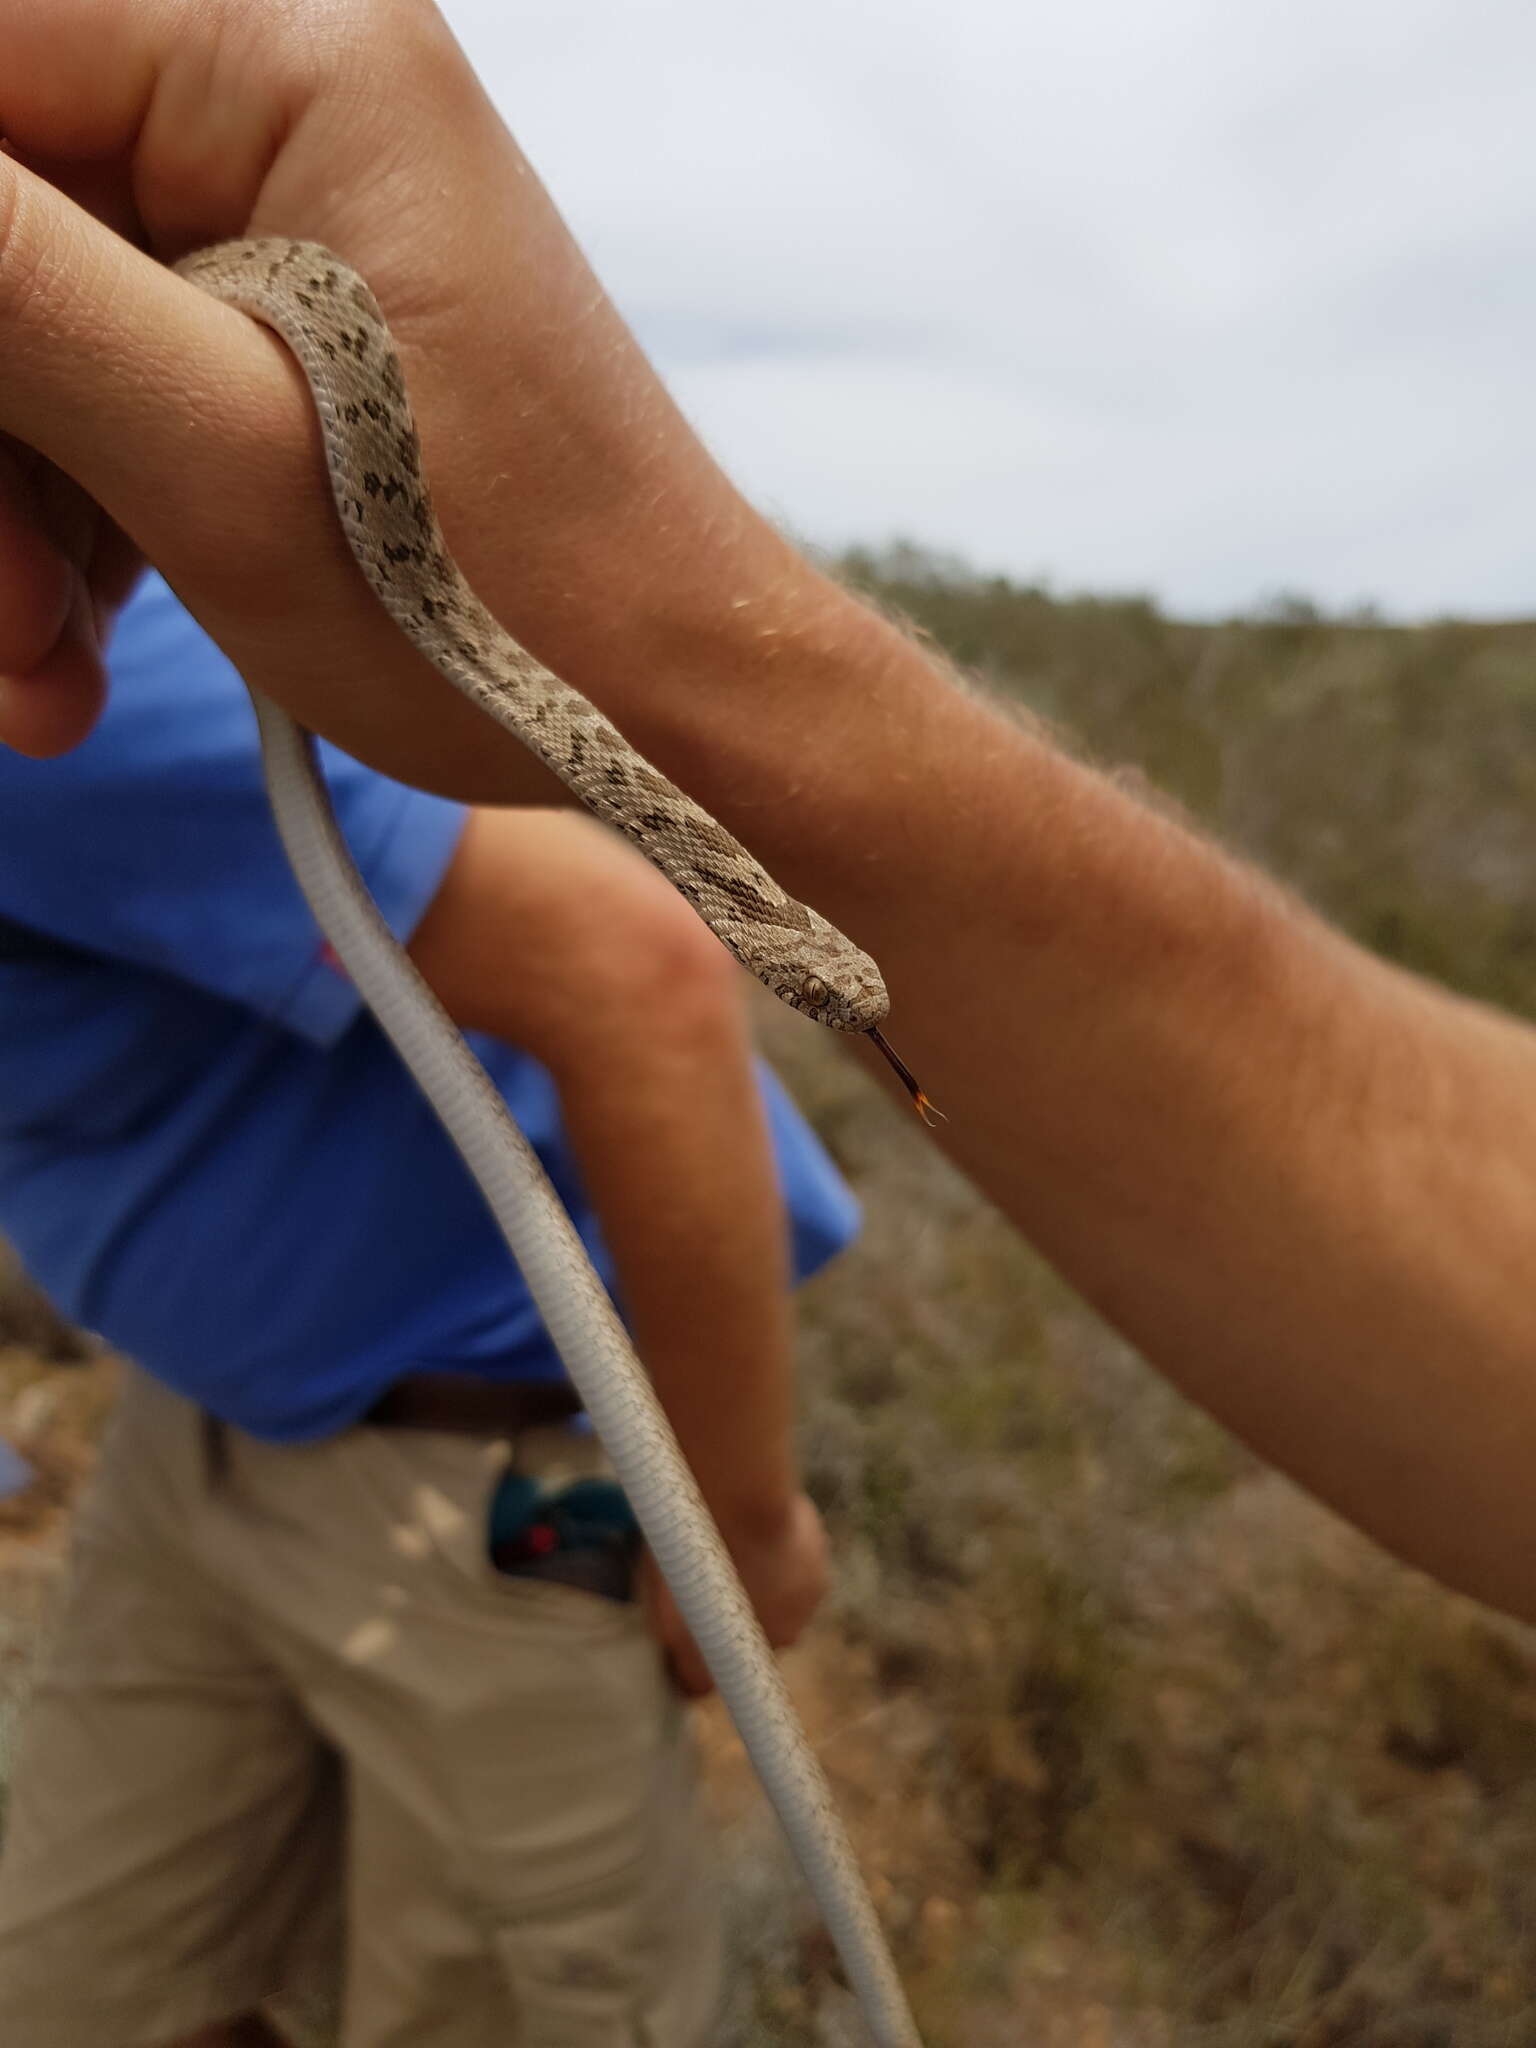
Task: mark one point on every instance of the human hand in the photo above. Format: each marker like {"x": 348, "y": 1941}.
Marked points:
{"x": 137, "y": 133}
{"x": 140, "y": 418}
{"x": 785, "y": 1570}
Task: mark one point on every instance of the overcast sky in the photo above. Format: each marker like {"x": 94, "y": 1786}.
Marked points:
{"x": 1206, "y": 298}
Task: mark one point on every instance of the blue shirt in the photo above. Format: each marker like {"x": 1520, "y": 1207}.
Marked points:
{"x": 208, "y": 1152}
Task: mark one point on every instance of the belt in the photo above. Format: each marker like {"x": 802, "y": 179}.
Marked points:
{"x": 466, "y": 1404}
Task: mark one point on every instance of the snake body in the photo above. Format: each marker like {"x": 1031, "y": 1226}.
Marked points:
{"x": 333, "y": 325}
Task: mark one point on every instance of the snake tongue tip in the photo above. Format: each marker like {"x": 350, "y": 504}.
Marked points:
{"x": 930, "y": 1113}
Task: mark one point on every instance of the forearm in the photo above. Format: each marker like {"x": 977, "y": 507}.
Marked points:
{"x": 551, "y": 934}
{"x": 664, "y": 1113}
{"x": 1303, "y": 1183}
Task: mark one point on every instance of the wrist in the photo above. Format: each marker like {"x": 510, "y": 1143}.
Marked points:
{"x": 760, "y": 1520}
{"x": 752, "y": 687}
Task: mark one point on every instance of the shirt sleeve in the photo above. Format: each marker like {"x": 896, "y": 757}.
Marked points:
{"x": 153, "y": 843}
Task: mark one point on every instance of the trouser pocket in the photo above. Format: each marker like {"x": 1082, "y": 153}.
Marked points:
{"x": 581, "y": 1534}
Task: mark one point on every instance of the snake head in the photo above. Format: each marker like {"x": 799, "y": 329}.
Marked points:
{"x": 829, "y": 980}
{"x": 834, "y": 983}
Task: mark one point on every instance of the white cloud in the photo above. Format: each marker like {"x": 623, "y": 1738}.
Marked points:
{"x": 1179, "y": 295}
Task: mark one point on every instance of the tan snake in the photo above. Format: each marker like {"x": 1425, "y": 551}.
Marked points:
{"x": 333, "y": 325}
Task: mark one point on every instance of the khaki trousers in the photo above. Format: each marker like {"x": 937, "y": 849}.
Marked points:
{"x": 294, "y": 1726}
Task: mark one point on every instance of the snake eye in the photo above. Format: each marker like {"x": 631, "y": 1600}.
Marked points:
{"x": 813, "y": 990}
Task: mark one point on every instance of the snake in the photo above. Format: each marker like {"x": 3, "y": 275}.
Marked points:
{"x": 332, "y": 324}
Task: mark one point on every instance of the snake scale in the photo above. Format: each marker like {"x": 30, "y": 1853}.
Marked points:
{"x": 331, "y": 322}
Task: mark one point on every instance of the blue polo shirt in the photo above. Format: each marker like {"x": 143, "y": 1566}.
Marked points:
{"x": 208, "y": 1152}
